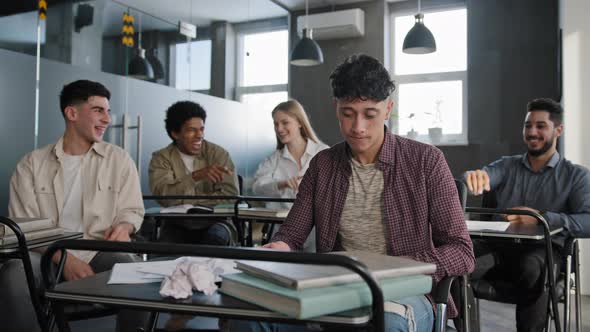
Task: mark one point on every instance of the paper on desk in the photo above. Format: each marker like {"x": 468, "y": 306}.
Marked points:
{"x": 156, "y": 271}
{"x": 476, "y": 225}
{"x": 129, "y": 273}
{"x": 176, "y": 209}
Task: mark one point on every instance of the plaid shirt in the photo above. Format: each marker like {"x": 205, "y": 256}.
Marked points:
{"x": 422, "y": 213}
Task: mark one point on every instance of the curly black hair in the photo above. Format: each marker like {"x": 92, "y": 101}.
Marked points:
{"x": 179, "y": 113}
{"x": 79, "y": 91}
{"x": 548, "y": 105}
{"x": 361, "y": 77}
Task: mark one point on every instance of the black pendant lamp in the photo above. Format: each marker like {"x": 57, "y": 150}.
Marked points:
{"x": 419, "y": 39}
{"x": 152, "y": 57}
{"x": 307, "y": 52}
{"x": 139, "y": 67}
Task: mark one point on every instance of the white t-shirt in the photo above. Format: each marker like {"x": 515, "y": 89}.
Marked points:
{"x": 189, "y": 162}
{"x": 71, "y": 216}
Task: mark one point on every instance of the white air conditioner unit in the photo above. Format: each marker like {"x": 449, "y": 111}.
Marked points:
{"x": 334, "y": 25}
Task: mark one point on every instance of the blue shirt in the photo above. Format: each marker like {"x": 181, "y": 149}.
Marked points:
{"x": 560, "y": 188}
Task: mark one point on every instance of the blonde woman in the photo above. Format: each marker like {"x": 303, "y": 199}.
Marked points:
{"x": 279, "y": 174}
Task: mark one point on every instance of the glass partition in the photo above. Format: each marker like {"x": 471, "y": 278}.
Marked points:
{"x": 83, "y": 40}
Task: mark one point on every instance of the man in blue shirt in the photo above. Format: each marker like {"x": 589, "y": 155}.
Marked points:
{"x": 541, "y": 180}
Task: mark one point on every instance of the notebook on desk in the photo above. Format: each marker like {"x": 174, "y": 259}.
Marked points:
{"x": 187, "y": 208}
{"x": 27, "y": 225}
{"x": 302, "y": 276}
{"x": 263, "y": 212}
{"x": 315, "y": 302}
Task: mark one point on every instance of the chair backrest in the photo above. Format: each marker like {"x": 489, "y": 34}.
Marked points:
{"x": 240, "y": 184}
{"x": 488, "y": 200}
{"x": 443, "y": 291}
{"x": 462, "y": 190}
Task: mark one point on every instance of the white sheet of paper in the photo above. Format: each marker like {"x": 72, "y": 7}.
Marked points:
{"x": 153, "y": 271}
{"x": 476, "y": 225}
{"x": 129, "y": 273}
{"x": 176, "y": 209}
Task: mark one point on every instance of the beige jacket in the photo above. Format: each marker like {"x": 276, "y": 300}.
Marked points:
{"x": 168, "y": 175}
{"x": 110, "y": 188}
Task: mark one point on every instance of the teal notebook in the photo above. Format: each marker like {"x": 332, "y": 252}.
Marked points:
{"x": 320, "y": 301}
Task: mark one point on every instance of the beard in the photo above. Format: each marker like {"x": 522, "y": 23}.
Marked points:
{"x": 542, "y": 150}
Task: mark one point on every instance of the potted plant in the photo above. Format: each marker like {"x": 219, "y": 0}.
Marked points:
{"x": 412, "y": 134}
{"x": 435, "y": 131}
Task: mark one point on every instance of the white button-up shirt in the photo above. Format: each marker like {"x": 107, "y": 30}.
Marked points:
{"x": 279, "y": 167}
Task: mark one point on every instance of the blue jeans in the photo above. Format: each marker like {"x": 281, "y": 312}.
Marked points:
{"x": 218, "y": 234}
{"x": 423, "y": 319}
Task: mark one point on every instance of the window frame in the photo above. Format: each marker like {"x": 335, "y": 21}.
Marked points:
{"x": 173, "y": 64}
{"x": 447, "y": 139}
{"x": 241, "y": 89}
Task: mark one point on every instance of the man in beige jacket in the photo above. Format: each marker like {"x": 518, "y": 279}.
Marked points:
{"x": 84, "y": 185}
{"x": 190, "y": 166}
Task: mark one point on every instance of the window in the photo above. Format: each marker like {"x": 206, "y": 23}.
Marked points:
{"x": 193, "y": 65}
{"x": 262, "y": 73}
{"x": 431, "y": 93}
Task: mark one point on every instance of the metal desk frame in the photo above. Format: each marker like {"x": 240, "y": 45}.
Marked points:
{"x": 57, "y": 298}
{"x": 20, "y": 251}
{"x": 546, "y": 237}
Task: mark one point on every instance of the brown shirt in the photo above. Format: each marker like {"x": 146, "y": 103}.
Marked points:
{"x": 168, "y": 175}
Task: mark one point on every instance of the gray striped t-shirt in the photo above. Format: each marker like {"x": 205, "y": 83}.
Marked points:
{"x": 361, "y": 223}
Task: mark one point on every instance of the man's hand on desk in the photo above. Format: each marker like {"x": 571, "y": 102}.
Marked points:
{"x": 213, "y": 173}
{"x": 119, "y": 232}
{"x": 74, "y": 268}
{"x": 477, "y": 182}
{"x": 279, "y": 245}
{"x": 521, "y": 219}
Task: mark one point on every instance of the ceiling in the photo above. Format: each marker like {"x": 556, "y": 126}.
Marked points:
{"x": 293, "y": 5}
{"x": 203, "y": 12}
{"x": 163, "y": 14}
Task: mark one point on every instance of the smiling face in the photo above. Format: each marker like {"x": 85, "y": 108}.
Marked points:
{"x": 540, "y": 133}
{"x": 287, "y": 128}
{"x": 90, "y": 119}
{"x": 189, "y": 139}
{"x": 361, "y": 125}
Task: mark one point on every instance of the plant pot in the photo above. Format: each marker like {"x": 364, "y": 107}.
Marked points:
{"x": 435, "y": 135}
{"x": 412, "y": 134}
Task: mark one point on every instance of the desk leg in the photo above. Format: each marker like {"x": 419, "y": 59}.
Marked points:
{"x": 249, "y": 239}
{"x": 62, "y": 322}
{"x": 552, "y": 290}
{"x": 267, "y": 232}
{"x": 578, "y": 286}
{"x": 35, "y": 297}
{"x": 155, "y": 229}
{"x": 153, "y": 322}
{"x": 567, "y": 298}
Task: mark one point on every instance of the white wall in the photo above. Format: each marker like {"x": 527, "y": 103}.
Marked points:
{"x": 576, "y": 85}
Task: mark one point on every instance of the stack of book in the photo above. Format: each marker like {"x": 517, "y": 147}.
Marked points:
{"x": 33, "y": 228}
{"x": 303, "y": 291}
